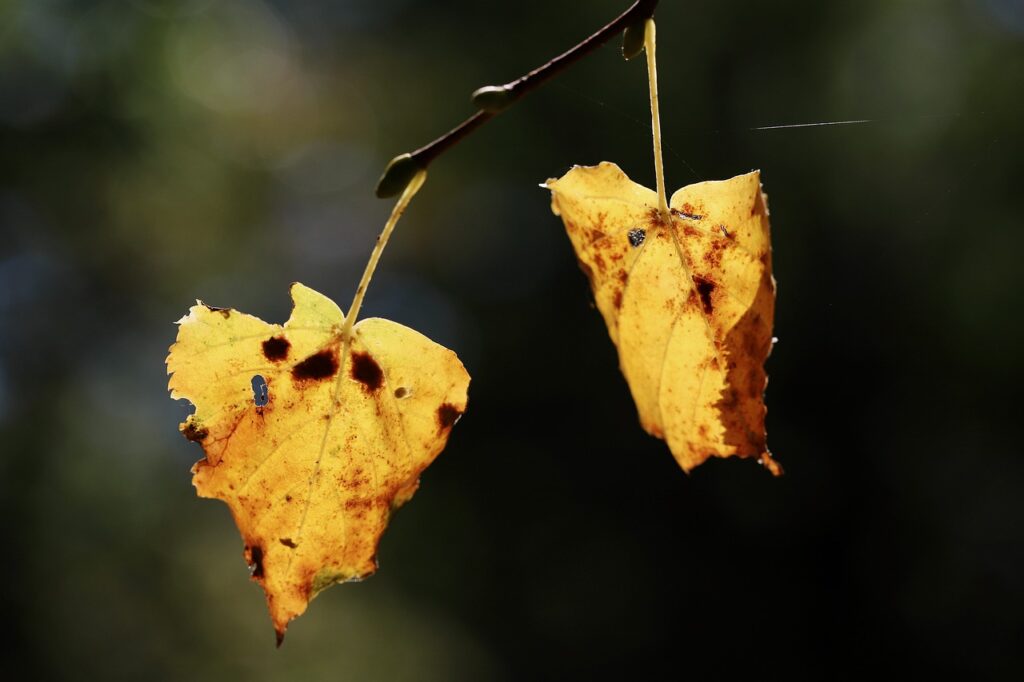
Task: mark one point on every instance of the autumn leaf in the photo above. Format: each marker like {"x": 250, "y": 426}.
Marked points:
{"x": 310, "y": 441}
{"x": 688, "y": 298}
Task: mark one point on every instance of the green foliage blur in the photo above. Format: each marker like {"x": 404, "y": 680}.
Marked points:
{"x": 153, "y": 152}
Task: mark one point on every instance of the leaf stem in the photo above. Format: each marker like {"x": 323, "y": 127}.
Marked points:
{"x": 652, "y": 79}
{"x": 389, "y": 185}
{"x": 357, "y": 302}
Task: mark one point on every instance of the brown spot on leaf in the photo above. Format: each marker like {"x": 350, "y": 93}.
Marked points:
{"x": 360, "y": 503}
{"x": 276, "y": 348}
{"x": 617, "y": 299}
{"x": 713, "y": 256}
{"x": 655, "y": 218}
{"x": 288, "y": 542}
{"x": 447, "y": 415}
{"x": 357, "y": 482}
{"x": 316, "y": 367}
{"x": 366, "y": 371}
{"x": 196, "y": 434}
{"x": 704, "y": 289}
{"x": 254, "y": 558}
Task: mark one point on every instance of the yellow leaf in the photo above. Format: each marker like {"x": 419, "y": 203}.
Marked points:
{"x": 311, "y": 465}
{"x": 688, "y": 302}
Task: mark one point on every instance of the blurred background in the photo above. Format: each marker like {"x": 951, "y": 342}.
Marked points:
{"x": 154, "y": 152}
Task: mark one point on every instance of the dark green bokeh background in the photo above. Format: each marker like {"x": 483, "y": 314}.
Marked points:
{"x": 154, "y": 152}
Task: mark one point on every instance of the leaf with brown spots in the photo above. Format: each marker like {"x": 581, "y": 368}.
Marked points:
{"x": 688, "y": 302}
{"x": 312, "y": 474}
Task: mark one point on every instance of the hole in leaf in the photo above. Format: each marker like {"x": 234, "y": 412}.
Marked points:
{"x": 260, "y": 393}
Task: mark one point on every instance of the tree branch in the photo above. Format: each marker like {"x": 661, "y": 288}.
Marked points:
{"x": 493, "y": 99}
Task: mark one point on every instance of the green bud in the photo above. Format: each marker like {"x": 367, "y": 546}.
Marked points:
{"x": 633, "y": 39}
{"x": 494, "y": 98}
{"x": 397, "y": 176}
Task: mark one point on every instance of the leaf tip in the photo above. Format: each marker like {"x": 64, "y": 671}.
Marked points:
{"x": 770, "y": 464}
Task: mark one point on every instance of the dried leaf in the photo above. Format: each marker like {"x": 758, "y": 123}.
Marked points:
{"x": 688, "y": 302}
{"x": 311, "y": 450}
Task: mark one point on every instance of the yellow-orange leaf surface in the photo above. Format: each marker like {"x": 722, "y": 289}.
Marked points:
{"x": 688, "y": 302}
{"x": 312, "y": 465}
